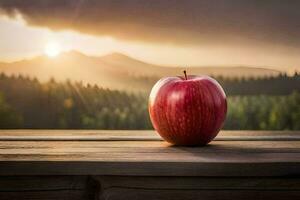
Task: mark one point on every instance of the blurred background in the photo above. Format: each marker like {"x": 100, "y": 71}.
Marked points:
{"x": 91, "y": 64}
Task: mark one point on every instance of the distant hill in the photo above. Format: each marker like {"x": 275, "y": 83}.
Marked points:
{"x": 115, "y": 70}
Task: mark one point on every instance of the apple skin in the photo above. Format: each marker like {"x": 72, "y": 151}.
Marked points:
{"x": 187, "y": 111}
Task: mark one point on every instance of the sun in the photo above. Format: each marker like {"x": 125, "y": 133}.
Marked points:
{"x": 52, "y": 49}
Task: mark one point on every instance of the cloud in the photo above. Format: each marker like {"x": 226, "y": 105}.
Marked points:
{"x": 182, "y": 22}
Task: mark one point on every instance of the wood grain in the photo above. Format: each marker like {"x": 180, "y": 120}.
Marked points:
{"x": 112, "y": 165}
{"x": 46, "y": 187}
{"x": 134, "y": 194}
{"x": 34, "y": 183}
{"x": 114, "y": 188}
{"x": 200, "y": 183}
{"x": 254, "y": 154}
{"x": 134, "y": 135}
{"x": 45, "y": 195}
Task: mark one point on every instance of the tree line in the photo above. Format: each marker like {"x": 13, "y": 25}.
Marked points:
{"x": 27, "y": 103}
{"x": 272, "y": 85}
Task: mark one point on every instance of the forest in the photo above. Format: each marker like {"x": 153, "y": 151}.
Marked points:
{"x": 270, "y": 103}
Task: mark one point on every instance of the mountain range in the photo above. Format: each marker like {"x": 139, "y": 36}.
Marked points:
{"x": 116, "y": 71}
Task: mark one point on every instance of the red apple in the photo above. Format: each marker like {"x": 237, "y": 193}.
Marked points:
{"x": 187, "y": 110}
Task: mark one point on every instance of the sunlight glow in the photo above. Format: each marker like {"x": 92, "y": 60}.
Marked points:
{"x": 15, "y": 46}
{"x": 52, "y": 49}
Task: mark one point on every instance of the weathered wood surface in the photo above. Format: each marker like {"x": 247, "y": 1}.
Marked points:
{"x": 60, "y": 164}
{"x": 198, "y": 188}
{"x": 249, "y": 154}
{"x": 138, "y": 187}
{"x": 134, "y": 135}
{"x": 47, "y": 187}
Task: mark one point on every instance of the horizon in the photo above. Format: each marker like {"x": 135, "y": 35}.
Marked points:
{"x": 74, "y": 51}
{"x": 117, "y": 70}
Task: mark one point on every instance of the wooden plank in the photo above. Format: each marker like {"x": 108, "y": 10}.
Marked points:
{"x": 42, "y": 183}
{"x": 46, "y": 187}
{"x": 90, "y": 135}
{"x": 153, "y": 157}
{"x": 149, "y": 147}
{"x": 137, "y": 168}
{"x": 134, "y": 194}
{"x": 199, "y": 183}
{"x": 46, "y": 195}
{"x": 197, "y": 187}
{"x": 134, "y": 187}
{"x": 184, "y": 157}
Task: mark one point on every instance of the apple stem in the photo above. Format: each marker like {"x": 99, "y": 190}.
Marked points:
{"x": 184, "y": 71}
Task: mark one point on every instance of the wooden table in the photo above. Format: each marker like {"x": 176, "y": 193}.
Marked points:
{"x": 79, "y": 164}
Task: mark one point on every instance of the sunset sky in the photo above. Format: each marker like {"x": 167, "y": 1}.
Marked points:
{"x": 191, "y": 32}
